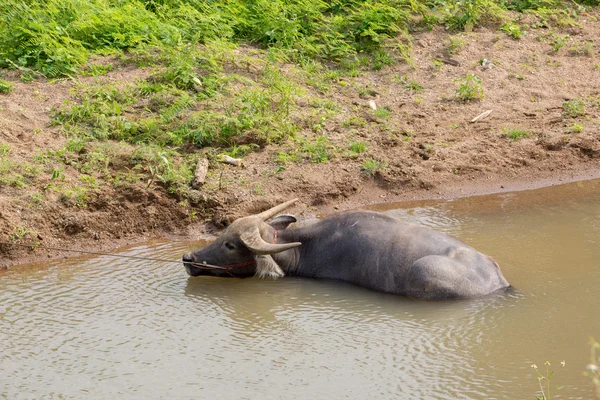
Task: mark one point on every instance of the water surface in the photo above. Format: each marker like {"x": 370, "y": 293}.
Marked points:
{"x": 118, "y": 328}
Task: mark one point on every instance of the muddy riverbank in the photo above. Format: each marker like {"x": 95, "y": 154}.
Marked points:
{"x": 398, "y": 133}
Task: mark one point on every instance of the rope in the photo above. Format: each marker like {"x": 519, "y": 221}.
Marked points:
{"x": 95, "y": 253}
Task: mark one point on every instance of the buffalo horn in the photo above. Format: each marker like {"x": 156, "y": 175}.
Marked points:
{"x": 255, "y": 243}
{"x": 265, "y": 215}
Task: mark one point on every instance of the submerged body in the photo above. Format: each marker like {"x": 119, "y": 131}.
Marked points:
{"x": 365, "y": 248}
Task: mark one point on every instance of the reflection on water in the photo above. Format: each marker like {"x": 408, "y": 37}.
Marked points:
{"x": 111, "y": 328}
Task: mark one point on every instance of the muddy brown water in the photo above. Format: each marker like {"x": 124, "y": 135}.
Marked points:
{"x": 113, "y": 328}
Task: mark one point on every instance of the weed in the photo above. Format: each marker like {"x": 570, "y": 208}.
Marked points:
{"x": 455, "y": 45}
{"x": 358, "y": 147}
{"x": 518, "y": 77}
{"x": 372, "y": 167}
{"x": 20, "y": 232}
{"x": 515, "y": 134}
{"x": 469, "y": 88}
{"x": 17, "y": 174}
{"x": 558, "y": 42}
{"x": 318, "y": 151}
{"x": 58, "y": 173}
{"x": 577, "y": 128}
{"x": 355, "y": 121}
{"x": 408, "y": 84}
{"x": 242, "y": 150}
{"x": 284, "y": 158}
{"x": 380, "y": 59}
{"x": 592, "y": 367}
{"x": 547, "y": 391}
{"x": 512, "y": 30}
{"x": 37, "y": 198}
{"x": 96, "y": 70}
{"x": 5, "y": 86}
{"x": 585, "y": 49}
{"x": 4, "y": 150}
{"x": 465, "y": 15}
{"x": 382, "y": 112}
{"x": 574, "y": 108}
{"x": 437, "y": 65}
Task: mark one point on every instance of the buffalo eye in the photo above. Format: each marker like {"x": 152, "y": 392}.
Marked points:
{"x": 229, "y": 245}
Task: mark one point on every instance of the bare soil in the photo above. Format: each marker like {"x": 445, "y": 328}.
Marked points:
{"x": 427, "y": 144}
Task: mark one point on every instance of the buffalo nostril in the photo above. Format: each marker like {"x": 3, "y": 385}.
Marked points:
{"x": 188, "y": 257}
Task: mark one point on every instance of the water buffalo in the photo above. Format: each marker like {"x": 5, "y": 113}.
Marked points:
{"x": 365, "y": 248}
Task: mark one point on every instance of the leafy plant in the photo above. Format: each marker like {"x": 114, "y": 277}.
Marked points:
{"x": 5, "y": 86}
{"x": 455, "y": 45}
{"x": 574, "y": 108}
{"x": 469, "y": 88}
{"x": 513, "y": 30}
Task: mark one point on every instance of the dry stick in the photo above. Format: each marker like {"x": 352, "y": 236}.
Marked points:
{"x": 482, "y": 115}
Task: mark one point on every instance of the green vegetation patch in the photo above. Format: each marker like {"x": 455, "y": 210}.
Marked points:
{"x": 514, "y": 134}
{"x": 469, "y": 88}
{"x": 574, "y": 108}
{"x": 5, "y": 86}
{"x": 56, "y": 36}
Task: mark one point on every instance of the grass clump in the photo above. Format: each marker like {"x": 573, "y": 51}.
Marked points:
{"x": 455, "y": 45}
{"x": 5, "y": 86}
{"x": 514, "y": 134}
{"x": 408, "y": 84}
{"x": 382, "y": 112}
{"x": 469, "y": 88}
{"x": 372, "y": 167}
{"x": 358, "y": 147}
{"x": 582, "y": 49}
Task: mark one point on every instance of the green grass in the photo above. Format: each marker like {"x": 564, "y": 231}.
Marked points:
{"x": 372, "y": 167}
{"x": 358, "y": 147}
{"x": 454, "y": 45}
{"x": 5, "y": 86}
{"x": 56, "y": 37}
{"x": 382, "y": 113}
{"x": 408, "y": 84}
{"x": 514, "y": 134}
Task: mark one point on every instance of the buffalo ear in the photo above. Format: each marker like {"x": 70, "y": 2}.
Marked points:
{"x": 282, "y": 221}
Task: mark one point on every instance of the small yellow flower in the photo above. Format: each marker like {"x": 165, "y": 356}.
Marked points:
{"x": 547, "y": 362}
{"x": 533, "y": 366}
{"x": 563, "y": 363}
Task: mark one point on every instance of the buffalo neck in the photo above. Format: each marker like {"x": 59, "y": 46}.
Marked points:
{"x": 287, "y": 260}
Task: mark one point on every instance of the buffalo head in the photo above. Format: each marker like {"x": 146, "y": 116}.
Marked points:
{"x": 244, "y": 249}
